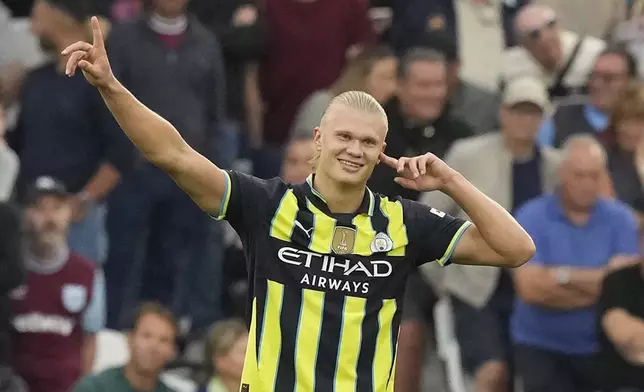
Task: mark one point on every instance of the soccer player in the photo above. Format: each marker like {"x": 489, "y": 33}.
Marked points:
{"x": 328, "y": 259}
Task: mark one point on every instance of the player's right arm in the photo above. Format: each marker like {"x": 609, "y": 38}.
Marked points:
{"x": 155, "y": 137}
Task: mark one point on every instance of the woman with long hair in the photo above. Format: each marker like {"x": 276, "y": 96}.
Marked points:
{"x": 372, "y": 71}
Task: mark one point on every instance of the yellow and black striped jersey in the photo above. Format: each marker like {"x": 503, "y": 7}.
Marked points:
{"x": 326, "y": 289}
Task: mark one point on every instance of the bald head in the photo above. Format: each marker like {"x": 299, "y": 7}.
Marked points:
{"x": 583, "y": 147}
{"x": 533, "y": 17}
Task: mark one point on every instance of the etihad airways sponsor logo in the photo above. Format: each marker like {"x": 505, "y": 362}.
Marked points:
{"x": 43, "y": 323}
{"x": 335, "y": 265}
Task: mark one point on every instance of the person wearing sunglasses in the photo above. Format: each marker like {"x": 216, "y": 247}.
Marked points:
{"x": 560, "y": 58}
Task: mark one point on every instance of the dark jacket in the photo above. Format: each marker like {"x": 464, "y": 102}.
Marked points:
{"x": 239, "y": 45}
{"x": 404, "y": 139}
{"x": 185, "y": 86}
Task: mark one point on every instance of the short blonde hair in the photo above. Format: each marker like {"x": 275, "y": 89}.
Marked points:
{"x": 358, "y": 100}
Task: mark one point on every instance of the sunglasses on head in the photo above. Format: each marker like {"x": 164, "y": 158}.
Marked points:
{"x": 535, "y": 34}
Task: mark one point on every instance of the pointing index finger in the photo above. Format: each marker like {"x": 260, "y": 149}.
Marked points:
{"x": 97, "y": 34}
{"x": 389, "y": 161}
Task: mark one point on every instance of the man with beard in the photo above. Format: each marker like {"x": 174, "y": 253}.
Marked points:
{"x": 62, "y": 306}
{"x": 64, "y": 130}
{"x": 152, "y": 345}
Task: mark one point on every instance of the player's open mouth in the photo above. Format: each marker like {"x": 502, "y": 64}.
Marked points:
{"x": 350, "y": 166}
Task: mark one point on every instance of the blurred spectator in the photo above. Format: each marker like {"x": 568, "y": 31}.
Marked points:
{"x": 418, "y": 119}
{"x": 65, "y": 130}
{"x": 8, "y": 162}
{"x": 579, "y": 236}
{"x": 297, "y": 159}
{"x": 585, "y": 17}
{"x": 608, "y": 78}
{"x": 560, "y": 58}
{"x": 307, "y": 44}
{"x": 234, "y": 22}
{"x": 372, "y": 71}
{"x": 152, "y": 345}
{"x": 174, "y": 65}
{"x": 510, "y": 168}
{"x": 625, "y": 147}
{"x": 62, "y": 306}
{"x": 11, "y": 278}
{"x": 414, "y": 18}
{"x": 225, "y": 350}
{"x": 478, "y": 107}
{"x": 621, "y": 330}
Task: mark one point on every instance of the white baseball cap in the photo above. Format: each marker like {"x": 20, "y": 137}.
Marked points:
{"x": 526, "y": 90}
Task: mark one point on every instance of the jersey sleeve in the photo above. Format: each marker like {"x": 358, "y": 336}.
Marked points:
{"x": 433, "y": 234}
{"x": 247, "y": 199}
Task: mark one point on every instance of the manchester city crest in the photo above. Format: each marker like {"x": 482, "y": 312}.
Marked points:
{"x": 381, "y": 243}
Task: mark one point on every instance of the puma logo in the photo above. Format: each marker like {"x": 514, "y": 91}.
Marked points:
{"x": 307, "y": 232}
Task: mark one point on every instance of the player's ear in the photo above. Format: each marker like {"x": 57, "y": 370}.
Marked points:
{"x": 317, "y": 136}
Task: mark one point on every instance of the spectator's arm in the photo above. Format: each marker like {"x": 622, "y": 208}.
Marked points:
{"x": 626, "y": 332}
{"x": 118, "y": 154}
{"x": 238, "y": 31}
{"x": 546, "y": 135}
{"x": 93, "y": 321}
{"x": 254, "y": 105}
{"x": 537, "y": 285}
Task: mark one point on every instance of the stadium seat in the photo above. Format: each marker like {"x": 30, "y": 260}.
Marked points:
{"x": 447, "y": 346}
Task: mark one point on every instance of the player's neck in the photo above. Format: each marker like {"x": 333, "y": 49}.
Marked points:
{"x": 139, "y": 381}
{"x": 340, "y": 199}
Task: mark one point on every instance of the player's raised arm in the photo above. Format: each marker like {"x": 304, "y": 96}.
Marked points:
{"x": 495, "y": 238}
{"x": 155, "y": 137}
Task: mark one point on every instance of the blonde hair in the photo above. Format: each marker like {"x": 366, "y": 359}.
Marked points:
{"x": 223, "y": 336}
{"x": 358, "y": 100}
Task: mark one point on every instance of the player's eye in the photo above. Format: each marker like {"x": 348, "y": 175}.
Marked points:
{"x": 344, "y": 137}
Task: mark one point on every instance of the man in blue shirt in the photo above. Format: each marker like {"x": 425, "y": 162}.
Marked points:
{"x": 610, "y": 74}
{"x": 579, "y": 238}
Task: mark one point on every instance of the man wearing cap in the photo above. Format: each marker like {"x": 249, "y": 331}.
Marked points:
{"x": 511, "y": 169}
{"x": 64, "y": 130}
{"x": 62, "y": 305}
{"x": 560, "y": 58}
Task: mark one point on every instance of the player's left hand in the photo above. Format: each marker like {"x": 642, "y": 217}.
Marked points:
{"x": 422, "y": 173}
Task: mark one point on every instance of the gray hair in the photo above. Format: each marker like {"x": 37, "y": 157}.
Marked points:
{"x": 419, "y": 54}
{"x": 583, "y": 141}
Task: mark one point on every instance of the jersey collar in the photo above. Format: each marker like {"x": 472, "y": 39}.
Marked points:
{"x": 366, "y": 207}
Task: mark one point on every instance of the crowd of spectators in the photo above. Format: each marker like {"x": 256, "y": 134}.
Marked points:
{"x": 96, "y": 243}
